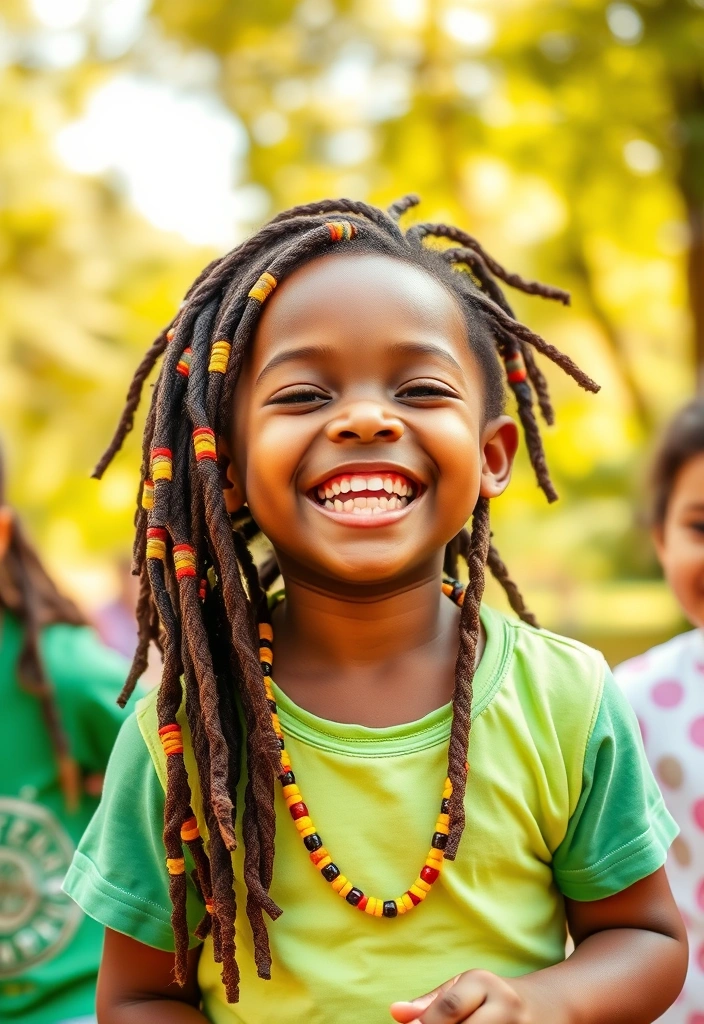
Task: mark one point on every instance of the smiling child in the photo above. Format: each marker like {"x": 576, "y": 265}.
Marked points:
{"x": 337, "y": 387}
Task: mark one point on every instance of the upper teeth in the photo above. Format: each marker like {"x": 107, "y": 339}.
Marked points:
{"x": 390, "y": 483}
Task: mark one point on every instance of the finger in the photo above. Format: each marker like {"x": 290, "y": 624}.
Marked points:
{"x": 404, "y": 1012}
{"x": 457, "y": 1003}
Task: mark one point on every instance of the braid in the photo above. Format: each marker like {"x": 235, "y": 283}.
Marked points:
{"x": 202, "y": 598}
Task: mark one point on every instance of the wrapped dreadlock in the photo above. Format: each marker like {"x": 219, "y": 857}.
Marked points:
{"x": 185, "y": 539}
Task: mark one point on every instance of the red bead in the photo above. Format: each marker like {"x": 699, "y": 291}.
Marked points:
{"x": 415, "y": 899}
{"x": 429, "y": 874}
{"x": 362, "y": 903}
{"x": 298, "y": 810}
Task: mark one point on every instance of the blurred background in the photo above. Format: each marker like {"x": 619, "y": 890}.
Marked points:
{"x": 139, "y": 139}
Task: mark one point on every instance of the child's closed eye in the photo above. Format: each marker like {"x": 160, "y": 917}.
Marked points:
{"x": 425, "y": 389}
{"x": 299, "y": 395}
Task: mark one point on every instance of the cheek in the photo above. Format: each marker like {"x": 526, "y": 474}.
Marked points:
{"x": 273, "y": 453}
{"x": 683, "y": 564}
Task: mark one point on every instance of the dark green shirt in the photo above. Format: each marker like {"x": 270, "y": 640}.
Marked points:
{"x": 49, "y": 950}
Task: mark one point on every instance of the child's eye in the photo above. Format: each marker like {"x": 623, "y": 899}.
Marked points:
{"x": 425, "y": 389}
{"x": 697, "y": 527}
{"x": 299, "y": 396}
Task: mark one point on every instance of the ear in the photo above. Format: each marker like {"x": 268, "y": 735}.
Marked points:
{"x": 499, "y": 445}
{"x": 5, "y": 529}
{"x": 232, "y": 489}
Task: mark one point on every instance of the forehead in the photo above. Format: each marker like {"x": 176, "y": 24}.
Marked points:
{"x": 362, "y": 299}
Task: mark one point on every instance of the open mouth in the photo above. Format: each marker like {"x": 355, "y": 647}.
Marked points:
{"x": 363, "y": 495}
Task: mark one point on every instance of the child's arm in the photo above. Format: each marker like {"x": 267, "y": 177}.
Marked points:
{"x": 136, "y": 986}
{"x": 628, "y": 966}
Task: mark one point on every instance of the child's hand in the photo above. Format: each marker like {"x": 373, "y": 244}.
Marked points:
{"x": 477, "y": 996}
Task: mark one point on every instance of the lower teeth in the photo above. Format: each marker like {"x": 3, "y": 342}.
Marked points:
{"x": 391, "y": 505}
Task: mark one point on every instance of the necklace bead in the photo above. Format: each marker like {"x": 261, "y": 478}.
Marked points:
{"x": 319, "y": 856}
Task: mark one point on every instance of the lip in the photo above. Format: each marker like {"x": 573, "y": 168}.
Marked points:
{"x": 368, "y": 469}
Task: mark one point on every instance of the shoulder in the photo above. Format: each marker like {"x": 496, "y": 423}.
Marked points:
{"x": 76, "y": 657}
{"x": 560, "y": 669}
{"x": 661, "y": 664}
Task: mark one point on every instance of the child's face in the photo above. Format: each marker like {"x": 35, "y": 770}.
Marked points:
{"x": 359, "y": 439}
{"x": 680, "y": 540}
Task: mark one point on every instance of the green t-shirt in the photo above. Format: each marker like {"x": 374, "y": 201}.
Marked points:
{"x": 49, "y": 951}
{"x": 560, "y": 800}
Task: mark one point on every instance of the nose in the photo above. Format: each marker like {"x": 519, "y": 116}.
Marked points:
{"x": 364, "y": 422}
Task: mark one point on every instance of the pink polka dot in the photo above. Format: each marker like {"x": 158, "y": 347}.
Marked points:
{"x": 699, "y": 666}
{"x": 668, "y": 693}
{"x": 700, "y": 894}
{"x": 695, "y": 1018}
{"x": 696, "y": 731}
{"x": 698, "y": 813}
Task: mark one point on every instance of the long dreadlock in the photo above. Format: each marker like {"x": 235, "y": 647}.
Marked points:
{"x": 27, "y": 590}
{"x": 201, "y": 595}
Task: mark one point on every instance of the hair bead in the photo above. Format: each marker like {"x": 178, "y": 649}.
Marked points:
{"x": 170, "y": 333}
{"x": 162, "y": 465}
{"x": 219, "y": 356}
{"x": 341, "y": 230}
{"x": 175, "y": 865}
{"x": 190, "y": 830}
{"x": 171, "y": 739}
{"x": 204, "y": 444}
{"x": 203, "y": 589}
{"x": 156, "y": 542}
{"x": 148, "y": 494}
{"x": 263, "y": 288}
{"x": 184, "y": 561}
{"x": 184, "y": 364}
{"x": 515, "y": 368}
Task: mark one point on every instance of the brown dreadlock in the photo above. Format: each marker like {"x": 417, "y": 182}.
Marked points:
{"x": 27, "y": 590}
{"x": 209, "y": 633}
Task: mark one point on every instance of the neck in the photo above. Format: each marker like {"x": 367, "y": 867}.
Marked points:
{"x": 362, "y": 631}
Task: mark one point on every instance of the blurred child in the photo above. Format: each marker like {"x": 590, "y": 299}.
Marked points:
{"x": 58, "y": 690}
{"x": 666, "y": 685}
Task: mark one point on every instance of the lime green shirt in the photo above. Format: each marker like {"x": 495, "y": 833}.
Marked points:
{"x": 49, "y": 951}
{"x": 560, "y": 801}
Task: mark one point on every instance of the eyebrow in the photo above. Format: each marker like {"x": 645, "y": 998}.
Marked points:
{"x": 401, "y": 348}
{"x": 695, "y": 506}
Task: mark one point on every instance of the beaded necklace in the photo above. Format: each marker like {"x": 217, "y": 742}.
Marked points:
{"x": 318, "y": 854}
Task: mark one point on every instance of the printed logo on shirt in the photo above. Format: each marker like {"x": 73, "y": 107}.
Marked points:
{"x": 36, "y": 918}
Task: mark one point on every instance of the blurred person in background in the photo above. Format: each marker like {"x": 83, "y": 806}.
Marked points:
{"x": 116, "y": 622}
{"x": 666, "y": 684}
{"x": 58, "y": 690}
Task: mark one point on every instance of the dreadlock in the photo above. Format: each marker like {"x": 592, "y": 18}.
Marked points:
{"x": 27, "y": 590}
{"x": 201, "y": 595}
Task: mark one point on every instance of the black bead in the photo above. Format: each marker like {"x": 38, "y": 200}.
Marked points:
{"x": 330, "y": 872}
{"x": 390, "y": 908}
{"x": 312, "y": 842}
{"x": 263, "y": 642}
{"x": 282, "y": 743}
{"x": 354, "y": 896}
{"x": 445, "y": 807}
{"x": 287, "y": 779}
{"x": 439, "y": 840}
{"x": 272, "y": 706}
{"x": 265, "y": 667}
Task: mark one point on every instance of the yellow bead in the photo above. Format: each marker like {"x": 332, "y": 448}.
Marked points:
{"x": 323, "y": 862}
{"x": 302, "y": 823}
{"x": 444, "y": 818}
{"x": 441, "y": 827}
{"x": 420, "y": 893}
{"x": 338, "y": 883}
{"x": 294, "y": 798}
{"x": 400, "y": 905}
{"x": 371, "y": 903}
{"x": 285, "y": 759}
{"x": 291, "y": 790}
{"x": 379, "y": 908}
{"x": 407, "y": 901}
{"x": 276, "y": 723}
{"x": 308, "y": 831}
{"x": 346, "y": 888}
{"x": 421, "y": 884}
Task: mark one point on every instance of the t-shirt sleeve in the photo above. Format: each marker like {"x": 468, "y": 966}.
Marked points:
{"x": 621, "y": 830}
{"x": 118, "y": 875}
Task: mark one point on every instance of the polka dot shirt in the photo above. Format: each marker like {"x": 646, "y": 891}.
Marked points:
{"x": 666, "y": 689}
